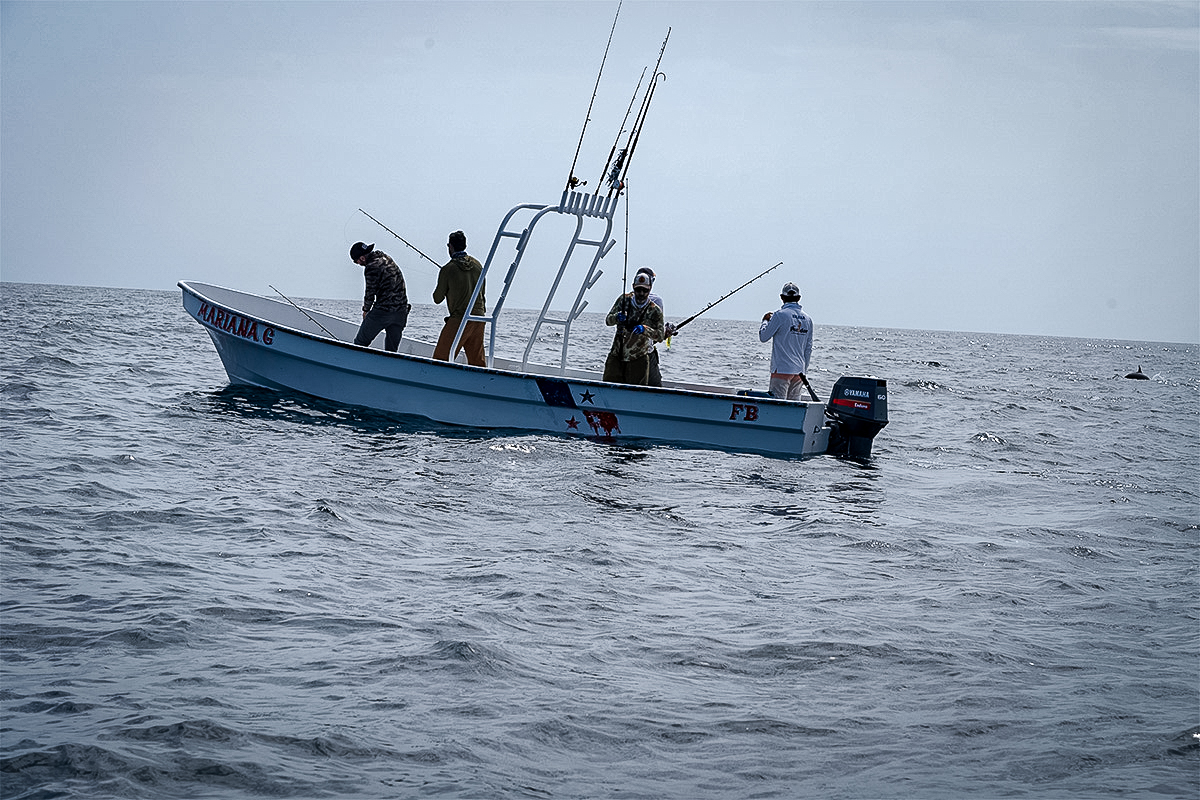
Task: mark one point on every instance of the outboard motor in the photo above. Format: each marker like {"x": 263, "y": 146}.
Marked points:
{"x": 857, "y": 411}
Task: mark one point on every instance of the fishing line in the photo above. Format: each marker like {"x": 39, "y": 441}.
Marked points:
{"x": 346, "y": 230}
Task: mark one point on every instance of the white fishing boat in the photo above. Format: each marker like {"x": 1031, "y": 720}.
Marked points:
{"x": 279, "y": 345}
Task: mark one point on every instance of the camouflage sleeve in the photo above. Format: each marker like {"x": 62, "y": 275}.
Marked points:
{"x": 371, "y": 275}
{"x": 611, "y": 319}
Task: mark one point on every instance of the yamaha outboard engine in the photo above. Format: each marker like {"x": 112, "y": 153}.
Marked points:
{"x": 857, "y": 411}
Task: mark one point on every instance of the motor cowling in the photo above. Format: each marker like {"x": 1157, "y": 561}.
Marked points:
{"x": 857, "y": 411}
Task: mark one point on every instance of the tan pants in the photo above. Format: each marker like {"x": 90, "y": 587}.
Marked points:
{"x": 787, "y": 386}
{"x": 471, "y": 342}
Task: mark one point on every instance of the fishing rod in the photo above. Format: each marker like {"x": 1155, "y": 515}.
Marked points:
{"x": 635, "y": 134}
{"x": 625, "y": 270}
{"x": 401, "y": 238}
{"x": 305, "y": 313}
{"x": 572, "y": 181}
{"x": 616, "y": 168}
{"x": 719, "y": 299}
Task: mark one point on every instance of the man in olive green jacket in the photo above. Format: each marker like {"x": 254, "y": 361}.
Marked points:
{"x": 456, "y": 283}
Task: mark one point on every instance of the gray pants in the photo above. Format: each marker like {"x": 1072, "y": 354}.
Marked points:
{"x": 378, "y": 320}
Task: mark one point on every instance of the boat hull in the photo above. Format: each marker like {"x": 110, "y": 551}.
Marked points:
{"x": 268, "y": 344}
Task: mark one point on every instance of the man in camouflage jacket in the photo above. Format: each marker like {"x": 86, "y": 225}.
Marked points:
{"x": 639, "y": 325}
{"x": 385, "y": 303}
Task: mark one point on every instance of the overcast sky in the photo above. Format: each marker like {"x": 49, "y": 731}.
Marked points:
{"x": 1013, "y": 167}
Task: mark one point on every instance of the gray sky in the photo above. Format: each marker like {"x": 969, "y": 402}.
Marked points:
{"x": 1005, "y": 167}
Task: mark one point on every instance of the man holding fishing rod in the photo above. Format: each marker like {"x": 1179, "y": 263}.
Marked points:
{"x": 668, "y": 329}
{"x": 639, "y": 325}
{"x": 790, "y": 332}
{"x": 385, "y": 302}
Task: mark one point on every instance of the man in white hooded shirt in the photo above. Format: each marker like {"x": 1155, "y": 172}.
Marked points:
{"x": 791, "y": 332}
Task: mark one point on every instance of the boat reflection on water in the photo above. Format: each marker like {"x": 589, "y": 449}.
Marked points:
{"x": 255, "y": 403}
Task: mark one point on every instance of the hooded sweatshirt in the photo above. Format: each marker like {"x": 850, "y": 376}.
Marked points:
{"x": 455, "y": 283}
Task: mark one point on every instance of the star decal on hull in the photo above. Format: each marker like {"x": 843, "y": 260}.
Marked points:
{"x": 586, "y": 397}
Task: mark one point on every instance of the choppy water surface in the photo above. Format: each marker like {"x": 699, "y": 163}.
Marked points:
{"x": 214, "y": 592}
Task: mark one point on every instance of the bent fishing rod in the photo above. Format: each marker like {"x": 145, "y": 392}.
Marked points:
{"x": 401, "y": 238}
{"x": 719, "y": 299}
{"x": 305, "y": 313}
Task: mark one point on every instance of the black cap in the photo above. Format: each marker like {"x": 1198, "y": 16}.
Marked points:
{"x": 359, "y": 250}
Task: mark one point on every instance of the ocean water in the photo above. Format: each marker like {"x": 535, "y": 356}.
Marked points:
{"x": 220, "y": 592}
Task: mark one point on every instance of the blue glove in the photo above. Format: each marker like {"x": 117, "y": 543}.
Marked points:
{"x": 639, "y": 330}
{"x": 620, "y": 316}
